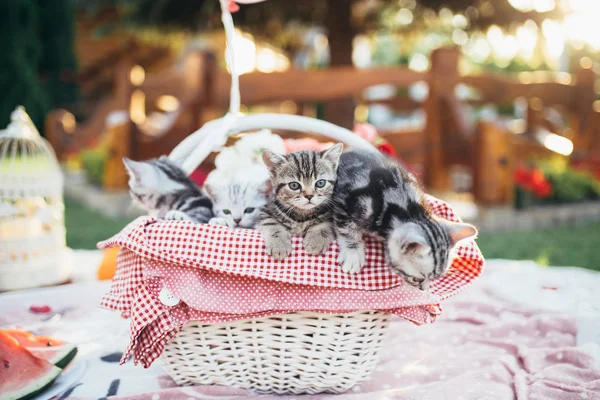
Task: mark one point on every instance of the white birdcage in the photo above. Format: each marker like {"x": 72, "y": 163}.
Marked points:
{"x": 33, "y": 248}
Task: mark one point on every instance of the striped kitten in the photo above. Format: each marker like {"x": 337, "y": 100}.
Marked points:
{"x": 238, "y": 199}
{"x": 303, "y": 185}
{"x": 165, "y": 191}
{"x": 374, "y": 195}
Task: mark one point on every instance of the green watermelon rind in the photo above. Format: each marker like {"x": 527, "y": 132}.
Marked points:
{"x": 59, "y": 356}
{"x": 65, "y": 358}
{"x": 34, "y": 389}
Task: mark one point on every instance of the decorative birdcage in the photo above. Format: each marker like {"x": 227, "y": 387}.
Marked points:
{"x": 33, "y": 248}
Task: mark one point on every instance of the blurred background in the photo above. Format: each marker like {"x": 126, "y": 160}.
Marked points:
{"x": 492, "y": 103}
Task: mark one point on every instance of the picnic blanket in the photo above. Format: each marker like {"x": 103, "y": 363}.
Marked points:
{"x": 519, "y": 332}
{"x": 222, "y": 275}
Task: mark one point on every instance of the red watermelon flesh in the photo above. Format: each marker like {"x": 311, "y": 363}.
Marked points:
{"x": 53, "y": 350}
{"x": 22, "y": 375}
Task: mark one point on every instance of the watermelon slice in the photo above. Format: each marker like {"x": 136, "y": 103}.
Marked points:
{"x": 53, "y": 350}
{"x": 22, "y": 375}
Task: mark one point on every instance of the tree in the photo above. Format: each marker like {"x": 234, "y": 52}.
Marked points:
{"x": 19, "y": 58}
{"x": 58, "y": 62}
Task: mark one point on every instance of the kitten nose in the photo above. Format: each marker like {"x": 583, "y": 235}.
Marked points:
{"x": 308, "y": 196}
{"x": 237, "y": 221}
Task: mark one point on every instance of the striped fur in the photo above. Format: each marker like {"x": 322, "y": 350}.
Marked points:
{"x": 238, "y": 198}
{"x": 303, "y": 185}
{"x": 163, "y": 189}
{"x": 374, "y": 195}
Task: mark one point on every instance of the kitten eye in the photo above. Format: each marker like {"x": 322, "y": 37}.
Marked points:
{"x": 249, "y": 210}
{"x": 226, "y": 212}
{"x": 294, "y": 185}
{"x": 320, "y": 183}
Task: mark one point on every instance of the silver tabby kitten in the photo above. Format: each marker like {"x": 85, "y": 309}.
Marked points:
{"x": 303, "y": 185}
{"x": 160, "y": 187}
{"x": 238, "y": 201}
{"x": 375, "y": 195}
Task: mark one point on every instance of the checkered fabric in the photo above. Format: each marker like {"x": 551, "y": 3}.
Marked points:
{"x": 223, "y": 275}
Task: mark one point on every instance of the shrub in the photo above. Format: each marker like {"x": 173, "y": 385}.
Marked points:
{"x": 568, "y": 184}
{"x": 93, "y": 162}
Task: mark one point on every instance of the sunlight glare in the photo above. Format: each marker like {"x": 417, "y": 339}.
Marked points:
{"x": 419, "y": 63}
{"x": 554, "y": 37}
{"x": 167, "y": 103}
{"x": 245, "y": 51}
{"x": 404, "y": 16}
{"x": 495, "y": 36}
{"x": 527, "y": 37}
{"x": 542, "y": 6}
{"x": 266, "y": 60}
{"x": 558, "y": 144}
{"x": 522, "y": 5}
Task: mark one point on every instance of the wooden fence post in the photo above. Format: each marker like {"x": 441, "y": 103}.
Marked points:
{"x": 443, "y": 78}
{"x": 207, "y": 100}
{"x": 493, "y": 165}
{"x": 117, "y": 139}
{"x": 122, "y": 86}
{"x": 583, "y": 110}
{"x": 58, "y": 124}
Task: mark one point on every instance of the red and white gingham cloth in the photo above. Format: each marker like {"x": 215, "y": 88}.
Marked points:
{"x": 223, "y": 275}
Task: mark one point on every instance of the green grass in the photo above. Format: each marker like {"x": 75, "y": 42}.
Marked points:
{"x": 568, "y": 246}
{"x": 87, "y": 227}
{"x": 565, "y": 246}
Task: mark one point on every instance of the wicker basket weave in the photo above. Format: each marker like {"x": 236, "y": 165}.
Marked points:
{"x": 293, "y": 353}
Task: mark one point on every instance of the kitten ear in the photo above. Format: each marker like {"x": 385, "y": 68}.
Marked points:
{"x": 333, "y": 153}
{"x": 209, "y": 191}
{"x": 409, "y": 238}
{"x": 141, "y": 173}
{"x": 266, "y": 188}
{"x": 272, "y": 160}
{"x": 459, "y": 231}
{"x": 134, "y": 168}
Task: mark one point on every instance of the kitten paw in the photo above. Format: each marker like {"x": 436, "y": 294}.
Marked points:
{"x": 279, "y": 249}
{"x": 315, "y": 245}
{"x": 176, "y": 215}
{"x": 221, "y": 222}
{"x": 352, "y": 260}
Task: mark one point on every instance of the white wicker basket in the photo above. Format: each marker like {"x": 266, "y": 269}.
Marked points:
{"x": 285, "y": 354}
{"x": 293, "y": 353}
{"x": 303, "y": 352}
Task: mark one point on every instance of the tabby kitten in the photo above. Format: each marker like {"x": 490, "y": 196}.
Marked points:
{"x": 303, "y": 185}
{"x": 375, "y": 195}
{"x": 238, "y": 200}
{"x": 160, "y": 187}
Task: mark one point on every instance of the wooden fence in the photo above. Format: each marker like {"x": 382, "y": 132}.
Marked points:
{"x": 449, "y": 137}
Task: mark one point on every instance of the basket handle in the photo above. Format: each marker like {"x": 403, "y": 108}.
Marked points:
{"x": 213, "y": 135}
{"x": 190, "y": 153}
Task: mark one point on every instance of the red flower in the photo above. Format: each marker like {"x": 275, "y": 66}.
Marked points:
{"x": 543, "y": 190}
{"x": 199, "y": 176}
{"x": 537, "y": 177}
{"x": 386, "y": 148}
{"x": 232, "y": 6}
{"x": 366, "y": 131}
{"x": 533, "y": 180}
{"x": 522, "y": 176}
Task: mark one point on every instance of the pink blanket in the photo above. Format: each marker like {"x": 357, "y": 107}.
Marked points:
{"x": 482, "y": 347}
